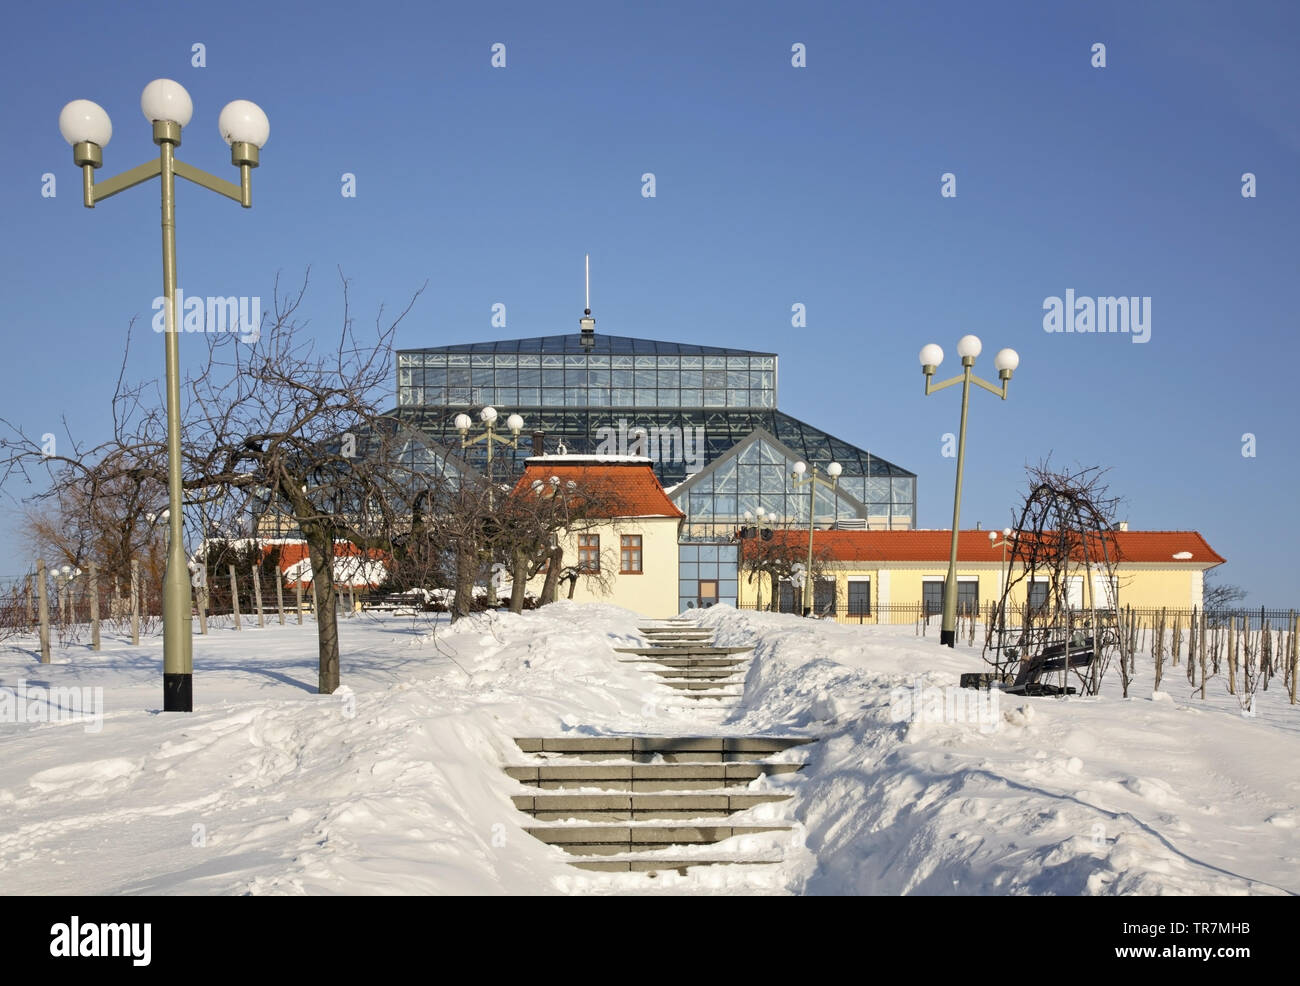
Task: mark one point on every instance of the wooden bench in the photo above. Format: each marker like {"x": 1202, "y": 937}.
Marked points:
{"x": 1053, "y": 659}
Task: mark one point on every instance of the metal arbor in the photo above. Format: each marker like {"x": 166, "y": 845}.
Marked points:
{"x": 1056, "y": 626}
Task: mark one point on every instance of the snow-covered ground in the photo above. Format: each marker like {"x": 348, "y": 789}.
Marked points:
{"x": 394, "y": 784}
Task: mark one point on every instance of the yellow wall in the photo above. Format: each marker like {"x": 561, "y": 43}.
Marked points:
{"x": 900, "y": 583}
{"x": 652, "y": 593}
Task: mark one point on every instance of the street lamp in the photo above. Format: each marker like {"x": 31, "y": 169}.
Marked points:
{"x": 812, "y": 481}
{"x": 748, "y": 532}
{"x": 63, "y": 575}
{"x": 488, "y": 416}
{"x": 243, "y": 125}
{"x": 1006, "y": 361}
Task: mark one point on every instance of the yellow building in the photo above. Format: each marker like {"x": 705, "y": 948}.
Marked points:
{"x": 892, "y": 576}
{"x": 630, "y": 558}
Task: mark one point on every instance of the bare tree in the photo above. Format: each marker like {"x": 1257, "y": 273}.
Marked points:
{"x": 530, "y": 521}
{"x": 269, "y": 418}
{"x": 777, "y": 558}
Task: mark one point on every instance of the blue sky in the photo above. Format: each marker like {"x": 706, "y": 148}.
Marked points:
{"x": 775, "y": 185}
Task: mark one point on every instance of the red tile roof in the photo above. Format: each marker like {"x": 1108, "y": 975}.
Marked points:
{"x": 975, "y": 546}
{"x": 632, "y": 486}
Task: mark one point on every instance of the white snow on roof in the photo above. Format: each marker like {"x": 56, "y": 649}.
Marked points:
{"x": 348, "y": 570}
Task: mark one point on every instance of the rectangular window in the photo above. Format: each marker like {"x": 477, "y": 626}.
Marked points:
{"x": 932, "y": 597}
{"x": 1074, "y": 592}
{"x": 787, "y": 604}
{"x": 860, "y": 598}
{"x": 630, "y": 554}
{"x": 1038, "y": 594}
{"x": 1105, "y": 592}
{"x": 589, "y": 552}
{"x": 824, "y": 597}
{"x": 968, "y": 596}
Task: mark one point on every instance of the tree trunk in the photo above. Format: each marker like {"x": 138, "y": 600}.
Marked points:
{"x": 466, "y": 569}
{"x": 552, "y": 576}
{"x": 320, "y": 545}
{"x": 519, "y": 582}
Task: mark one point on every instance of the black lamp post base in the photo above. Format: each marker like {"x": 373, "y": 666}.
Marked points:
{"x": 178, "y": 695}
{"x": 947, "y": 638}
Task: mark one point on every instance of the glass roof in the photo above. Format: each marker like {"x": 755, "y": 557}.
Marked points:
{"x": 686, "y": 439}
{"x": 572, "y": 343}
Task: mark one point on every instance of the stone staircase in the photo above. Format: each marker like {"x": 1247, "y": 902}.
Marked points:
{"x": 682, "y": 655}
{"x": 652, "y": 803}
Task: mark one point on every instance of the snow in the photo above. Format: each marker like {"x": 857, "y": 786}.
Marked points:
{"x": 394, "y": 784}
{"x": 349, "y": 570}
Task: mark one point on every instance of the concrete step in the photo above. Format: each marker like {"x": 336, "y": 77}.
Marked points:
{"x": 688, "y": 662}
{"x": 636, "y": 863}
{"x": 650, "y": 758}
{"x": 606, "y": 840}
{"x": 577, "y": 745}
{"x": 632, "y": 807}
{"x": 694, "y": 685}
{"x": 683, "y": 651}
{"x": 647, "y": 777}
{"x": 712, "y": 674}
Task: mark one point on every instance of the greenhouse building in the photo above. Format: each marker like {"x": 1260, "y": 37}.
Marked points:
{"x": 706, "y": 416}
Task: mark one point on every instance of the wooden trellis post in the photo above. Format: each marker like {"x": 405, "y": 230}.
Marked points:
{"x": 1295, "y": 653}
{"x": 135, "y": 602}
{"x": 1200, "y": 640}
{"x": 43, "y": 610}
{"x": 234, "y": 597}
{"x": 257, "y": 596}
{"x": 94, "y": 606}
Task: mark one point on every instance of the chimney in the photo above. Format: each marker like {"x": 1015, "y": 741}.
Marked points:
{"x": 1123, "y": 525}
{"x": 539, "y": 443}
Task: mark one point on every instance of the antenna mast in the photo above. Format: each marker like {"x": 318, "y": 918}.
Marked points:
{"x": 587, "y": 337}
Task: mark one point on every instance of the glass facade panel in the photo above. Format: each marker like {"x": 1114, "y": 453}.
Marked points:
{"x": 566, "y": 391}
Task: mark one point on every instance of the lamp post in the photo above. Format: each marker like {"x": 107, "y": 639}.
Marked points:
{"x": 747, "y": 532}
{"x": 489, "y": 437}
{"x": 243, "y": 125}
{"x": 1006, "y": 361}
{"x": 812, "y": 481}
{"x": 63, "y": 575}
